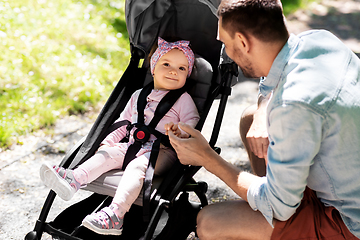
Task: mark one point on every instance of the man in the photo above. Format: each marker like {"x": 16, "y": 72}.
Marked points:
{"x": 310, "y": 102}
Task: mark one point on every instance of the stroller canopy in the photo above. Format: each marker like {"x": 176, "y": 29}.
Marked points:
{"x": 193, "y": 20}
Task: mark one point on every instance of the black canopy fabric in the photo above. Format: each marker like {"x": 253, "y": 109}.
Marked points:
{"x": 192, "y": 20}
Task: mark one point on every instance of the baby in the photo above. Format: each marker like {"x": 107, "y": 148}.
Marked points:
{"x": 171, "y": 64}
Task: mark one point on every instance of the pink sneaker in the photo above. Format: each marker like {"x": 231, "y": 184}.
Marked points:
{"x": 60, "y": 180}
{"x": 104, "y": 222}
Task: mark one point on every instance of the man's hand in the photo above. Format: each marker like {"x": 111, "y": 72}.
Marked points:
{"x": 257, "y": 136}
{"x": 194, "y": 150}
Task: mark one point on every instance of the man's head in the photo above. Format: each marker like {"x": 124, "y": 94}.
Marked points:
{"x": 253, "y": 32}
{"x": 263, "y": 19}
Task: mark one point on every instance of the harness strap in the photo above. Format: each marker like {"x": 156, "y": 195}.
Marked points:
{"x": 166, "y": 104}
{"x": 141, "y": 103}
{"x": 163, "y": 107}
{"x": 131, "y": 153}
{"x": 148, "y": 179}
{"x": 116, "y": 125}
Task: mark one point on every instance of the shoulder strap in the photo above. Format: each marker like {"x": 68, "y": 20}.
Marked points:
{"x": 141, "y": 103}
{"x": 165, "y": 105}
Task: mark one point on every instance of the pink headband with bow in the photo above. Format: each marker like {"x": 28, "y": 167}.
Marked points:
{"x": 164, "y": 47}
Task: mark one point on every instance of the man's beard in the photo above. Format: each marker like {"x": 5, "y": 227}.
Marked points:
{"x": 249, "y": 72}
{"x": 245, "y": 65}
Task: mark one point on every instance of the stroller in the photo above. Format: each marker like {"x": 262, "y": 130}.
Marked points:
{"x": 168, "y": 214}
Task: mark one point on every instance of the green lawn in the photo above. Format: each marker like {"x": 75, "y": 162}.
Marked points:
{"x": 60, "y": 57}
{"x": 57, "y": 57}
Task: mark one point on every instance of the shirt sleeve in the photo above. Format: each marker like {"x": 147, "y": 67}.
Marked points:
{"x": 295, "y": 133}
{"x": 188, "y": 112}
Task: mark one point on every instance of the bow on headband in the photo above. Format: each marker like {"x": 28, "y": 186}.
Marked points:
{"x": 164, "y": 47}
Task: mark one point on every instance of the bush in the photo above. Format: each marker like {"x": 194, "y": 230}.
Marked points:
{"x": 291, "y": 6}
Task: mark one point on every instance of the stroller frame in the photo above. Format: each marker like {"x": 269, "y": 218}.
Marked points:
{"x": 179, "y": 180}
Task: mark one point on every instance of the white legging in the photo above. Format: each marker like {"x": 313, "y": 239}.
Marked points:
{"x": 109, "y": 158}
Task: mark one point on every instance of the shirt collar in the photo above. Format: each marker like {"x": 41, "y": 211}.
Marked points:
{"x": 271, "y": 81}
{"x": 156, "y": 95}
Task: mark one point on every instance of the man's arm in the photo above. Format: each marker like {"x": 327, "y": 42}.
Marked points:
{"x": 197, "y": 152}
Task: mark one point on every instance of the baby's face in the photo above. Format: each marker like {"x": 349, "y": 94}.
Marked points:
{"x": 171, "y": 70}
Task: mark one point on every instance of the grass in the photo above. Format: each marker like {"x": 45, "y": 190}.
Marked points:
{"x": 60, "y": 57}
{"x": 291, "y": 6}
{"x": 57, "y": 58}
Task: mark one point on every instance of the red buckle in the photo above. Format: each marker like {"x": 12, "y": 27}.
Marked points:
{"x": 140, "y": 135}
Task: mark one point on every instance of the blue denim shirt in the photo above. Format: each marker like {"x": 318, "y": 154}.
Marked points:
{"x": 313, "y": 120}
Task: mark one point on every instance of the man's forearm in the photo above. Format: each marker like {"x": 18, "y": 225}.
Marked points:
{"x": 236, "y": 179}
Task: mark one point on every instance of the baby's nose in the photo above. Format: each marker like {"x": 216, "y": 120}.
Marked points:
{"x": 173, "y": 71}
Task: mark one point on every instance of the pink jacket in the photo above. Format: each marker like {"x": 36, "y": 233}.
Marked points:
{"x": 184, "y": 110}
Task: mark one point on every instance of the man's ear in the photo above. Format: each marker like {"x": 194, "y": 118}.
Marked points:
{"x": 243, "y": 42}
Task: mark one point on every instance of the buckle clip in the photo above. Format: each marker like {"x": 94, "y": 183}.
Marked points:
{"x": 142, "y": 134}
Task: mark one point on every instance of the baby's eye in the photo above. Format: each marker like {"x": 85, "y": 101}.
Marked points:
{"x": 182, "y": 68}
{"x": 166, "y": 64}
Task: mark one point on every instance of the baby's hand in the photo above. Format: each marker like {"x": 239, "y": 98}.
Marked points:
{"x": 175, "y": 129}
{"x": 101, "y": 147}
{"x": 172, "y": 127}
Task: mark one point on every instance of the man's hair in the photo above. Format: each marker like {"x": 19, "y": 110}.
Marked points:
{"x": 263, "y": 19}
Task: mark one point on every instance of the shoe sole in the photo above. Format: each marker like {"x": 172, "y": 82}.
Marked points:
{"x": 59, "y": 185}
{"x": 101, "y": 231}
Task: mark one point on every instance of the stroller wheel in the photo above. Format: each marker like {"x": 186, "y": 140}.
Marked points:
{"x": 31, "y": 236}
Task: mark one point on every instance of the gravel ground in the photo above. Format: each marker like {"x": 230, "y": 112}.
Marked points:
{"x": 22, "y": 194}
